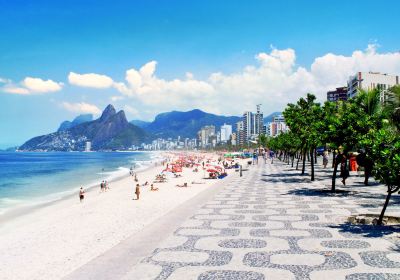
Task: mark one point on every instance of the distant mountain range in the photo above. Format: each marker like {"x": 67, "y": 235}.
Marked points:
{"x": 183, "y": 124}
{"x": 109, "y": 132}
{"x": 78, "y": 120}
{"x": 112, "y": 131}
{"x": 141, "y": 124}
{"x": 187, "y": 124}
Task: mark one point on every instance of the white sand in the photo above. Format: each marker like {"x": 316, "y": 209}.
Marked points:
{"x": 52, "y": 241}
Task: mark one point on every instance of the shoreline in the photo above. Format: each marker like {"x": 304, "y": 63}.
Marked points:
{"x": 130, "y": 249}
{"x": 53, "y": 241}
{"x": 27, "y": 208}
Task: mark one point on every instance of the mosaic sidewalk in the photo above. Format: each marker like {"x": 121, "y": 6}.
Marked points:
{"x": 273, "y": 224}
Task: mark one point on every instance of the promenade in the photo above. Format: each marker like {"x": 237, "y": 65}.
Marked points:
{"x": 272, "y": 223}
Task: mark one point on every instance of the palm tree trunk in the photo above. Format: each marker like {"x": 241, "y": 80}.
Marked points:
{"x": 389, "y": 194}
{"x": 315, "y": 155}
{"x": 312, "y": 165}
{"x": 333, "y": 158}
{"x": 298, "y": 160}
{"x": 391, "y": 190}
{"x": 335, "y": 166}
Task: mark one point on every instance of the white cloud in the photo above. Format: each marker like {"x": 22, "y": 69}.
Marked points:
{"x": 15, "y": 90}
{"x": 132, "y": 111}
{"x": 274, "y": 80}
{"x": 31, "y": 86}
{"x": 90, "y": 80}
{"x": 81, "y": 107}
{"x": 116, "y": 98}
{"x": 37, "y": 85}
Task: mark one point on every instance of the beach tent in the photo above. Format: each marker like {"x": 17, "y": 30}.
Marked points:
{"x": 233, "y": 155}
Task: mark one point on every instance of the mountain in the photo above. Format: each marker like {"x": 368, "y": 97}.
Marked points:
{"x": 186, "y": 124}
{"x": 109, "y": 132}
{"x": 139, "y": 123}
{"x": 270, "y": 117}
{"x": 78, "y": 120}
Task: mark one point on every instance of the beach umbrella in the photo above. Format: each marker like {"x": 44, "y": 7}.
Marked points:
{"x": 212, "y": 170}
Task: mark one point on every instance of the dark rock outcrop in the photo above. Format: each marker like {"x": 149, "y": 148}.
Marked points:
{"x": 109, "y": 132}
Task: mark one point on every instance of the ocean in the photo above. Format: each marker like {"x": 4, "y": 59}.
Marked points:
{"x": 27, "y": 179}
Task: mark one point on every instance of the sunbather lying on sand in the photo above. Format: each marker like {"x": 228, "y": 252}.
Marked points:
{"x": 185, "y": 185}
{"x": 194, "y": 182}
{"x": 152, "y": 188}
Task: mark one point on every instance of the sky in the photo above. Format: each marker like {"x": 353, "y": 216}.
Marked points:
{"x": 59, "y": 59}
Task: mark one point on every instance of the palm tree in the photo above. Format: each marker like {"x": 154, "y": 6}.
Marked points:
{"x": 392, "y": 106}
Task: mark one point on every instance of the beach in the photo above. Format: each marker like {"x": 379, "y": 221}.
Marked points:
{"x": 52, "y": 241}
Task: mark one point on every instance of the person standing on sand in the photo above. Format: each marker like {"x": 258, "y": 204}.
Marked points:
{"x": 137, "y": 191}
{"x": 81, "y": 194}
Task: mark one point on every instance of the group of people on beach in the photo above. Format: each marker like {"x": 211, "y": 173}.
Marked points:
{"x": 137, "y": 188}
{"x": 104, "y": 186}
{"x": 175, "y": 167}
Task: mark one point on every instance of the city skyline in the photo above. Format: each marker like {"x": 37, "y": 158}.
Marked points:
{"x": 148, "y": 58}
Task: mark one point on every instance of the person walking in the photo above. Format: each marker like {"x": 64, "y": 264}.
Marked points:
{"x": 325, "y": 158}
{"x": 271, "y": 156}
{"x": 81, "y": 194}
{"x": 137, "y": 191}
{"x": 344, "y": 172}
{"x": 364, "y": 161}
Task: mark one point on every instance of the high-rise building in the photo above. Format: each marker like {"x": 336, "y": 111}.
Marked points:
{"x": 234, "y": 139}
{"x": 226, "y": 132}
{"x": 205, "y": 134}
{"x": 240, "y": 139}
{"x": 369, "y": 81}
{"x": 277, "y": 126}
{"x": 253, "y": 124}
{"x": 247, "y": 125}
{"x": 88, "y": 146}
{"x": 278, "y": 119}
{"x": 339, "y": 94}
{"x": 258, "y": 121}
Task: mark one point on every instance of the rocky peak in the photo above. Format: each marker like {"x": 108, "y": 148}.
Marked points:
{"x": 108, "y": 112}
{"x": 121, "y": 116}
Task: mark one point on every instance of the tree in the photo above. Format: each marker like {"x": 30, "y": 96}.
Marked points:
{"x": 262, "y": 140}
{"x": 392, "y": 106}
{"x": 385, "y": 149}
{"x": 304, "y": 120}
{"x": 348, "y": 123}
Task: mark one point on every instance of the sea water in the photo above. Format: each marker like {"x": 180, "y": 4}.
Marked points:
{"x": 28, "y": 178}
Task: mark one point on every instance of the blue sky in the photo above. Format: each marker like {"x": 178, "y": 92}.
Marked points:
{"x": 50, "y": 39}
